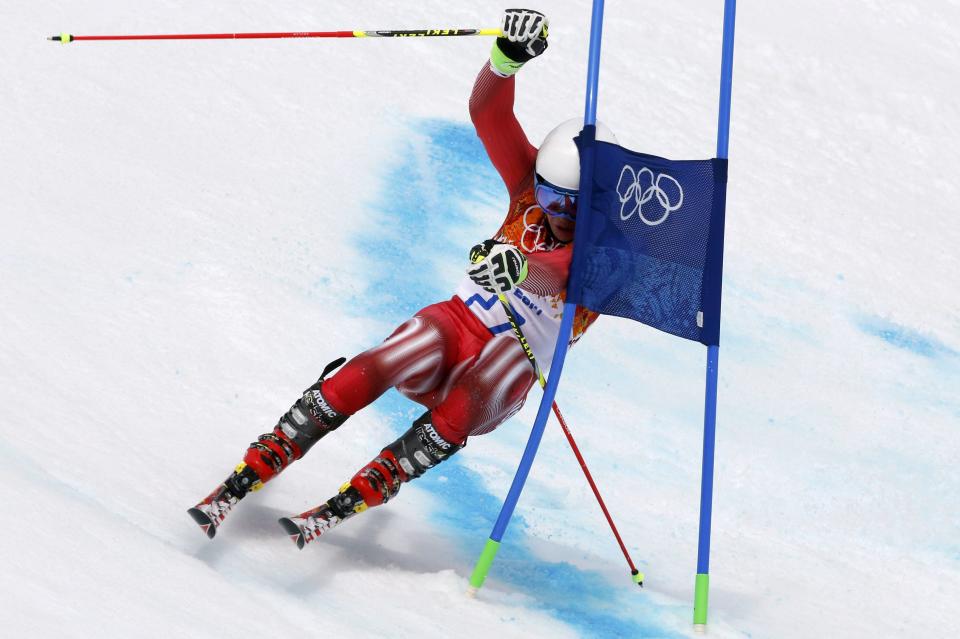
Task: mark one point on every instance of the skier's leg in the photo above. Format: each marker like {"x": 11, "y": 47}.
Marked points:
{"x": 487, "y": 394}
{"x": 419, "y": 352}
{"x": 417, "y": 355}
{"x": 309, "y": 419}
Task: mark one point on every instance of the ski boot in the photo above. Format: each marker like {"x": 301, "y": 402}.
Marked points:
{"x": 307, "y": 421}
{"x": 415, "y": 452}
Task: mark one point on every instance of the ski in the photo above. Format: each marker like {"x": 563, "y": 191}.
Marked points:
{"x": 308, "y": 526}
{"x": 211, "y": 512}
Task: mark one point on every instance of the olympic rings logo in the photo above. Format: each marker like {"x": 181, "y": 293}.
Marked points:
{"x": 637, "y": 189}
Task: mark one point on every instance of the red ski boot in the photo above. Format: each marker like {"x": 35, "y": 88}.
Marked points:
{"x": 307, "y": 421}
{"x": 417, "y": 450}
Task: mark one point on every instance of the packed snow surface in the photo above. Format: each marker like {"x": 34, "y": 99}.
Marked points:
{"x": 190, "y": 231}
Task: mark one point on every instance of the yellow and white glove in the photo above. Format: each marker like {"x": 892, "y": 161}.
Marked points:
{"x": 497, "y": 267}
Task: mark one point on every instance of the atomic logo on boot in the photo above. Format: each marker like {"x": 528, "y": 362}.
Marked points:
{"x": 319, "y": 404}
{"x": 435, "y": 436}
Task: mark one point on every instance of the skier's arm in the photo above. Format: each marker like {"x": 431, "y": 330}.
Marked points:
{"x": 491, "y": 109}
{"x": 491, "y": 102}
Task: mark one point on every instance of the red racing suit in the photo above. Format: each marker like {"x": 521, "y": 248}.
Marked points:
{"x": 460, "y": 358}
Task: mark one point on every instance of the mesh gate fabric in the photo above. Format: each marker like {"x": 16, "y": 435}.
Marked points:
{"x": 652, "y": 249}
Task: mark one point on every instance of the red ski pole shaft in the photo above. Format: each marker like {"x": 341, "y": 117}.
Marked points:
{"x": 402, "y": 33}
{"x": 596, "y": 491}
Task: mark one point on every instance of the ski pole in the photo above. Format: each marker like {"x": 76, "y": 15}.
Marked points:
{"x": 402, "y": 33}
{"x": 636, "y": 575}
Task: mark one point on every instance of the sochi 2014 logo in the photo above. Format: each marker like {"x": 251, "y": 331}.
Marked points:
{"x": 535, "y": 236}
{"x": 653, "y": 197}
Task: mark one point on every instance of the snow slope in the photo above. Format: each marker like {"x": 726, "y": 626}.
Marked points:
{"x": 189, "y": 231}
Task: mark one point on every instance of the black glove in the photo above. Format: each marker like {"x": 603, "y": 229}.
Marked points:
{"x": 524, "y": 38}
{"x": 497, "y": 267}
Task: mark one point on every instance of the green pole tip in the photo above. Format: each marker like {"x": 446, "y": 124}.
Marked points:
{"x": 638, "y": 577}
{"x": 63, "y": 37}
{"x": 700, "y": 596}
{"x": 483, "y": 566}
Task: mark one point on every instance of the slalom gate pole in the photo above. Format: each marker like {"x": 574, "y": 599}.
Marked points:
{"x": 566, "y": 323}
{"x": 702, "y": 587}
{"x": 635, "y": 574}
{"x": 403, "y": 33}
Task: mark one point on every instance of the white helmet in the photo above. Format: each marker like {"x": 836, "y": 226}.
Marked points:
{"x": 558, "y": 159}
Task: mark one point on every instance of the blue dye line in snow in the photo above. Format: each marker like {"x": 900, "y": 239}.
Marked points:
{"x": 441, "y": 170}
{"x": 903, "y": 337}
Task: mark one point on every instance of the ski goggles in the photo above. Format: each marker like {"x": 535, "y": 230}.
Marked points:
{"x": 554, "y": 200}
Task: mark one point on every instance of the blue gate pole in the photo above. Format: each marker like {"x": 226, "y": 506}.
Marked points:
{"x": 702, "y": 587}
{"x": 566, "y": 325}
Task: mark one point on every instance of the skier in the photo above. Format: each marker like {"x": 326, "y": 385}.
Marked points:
{"x": 458, "y": 358}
